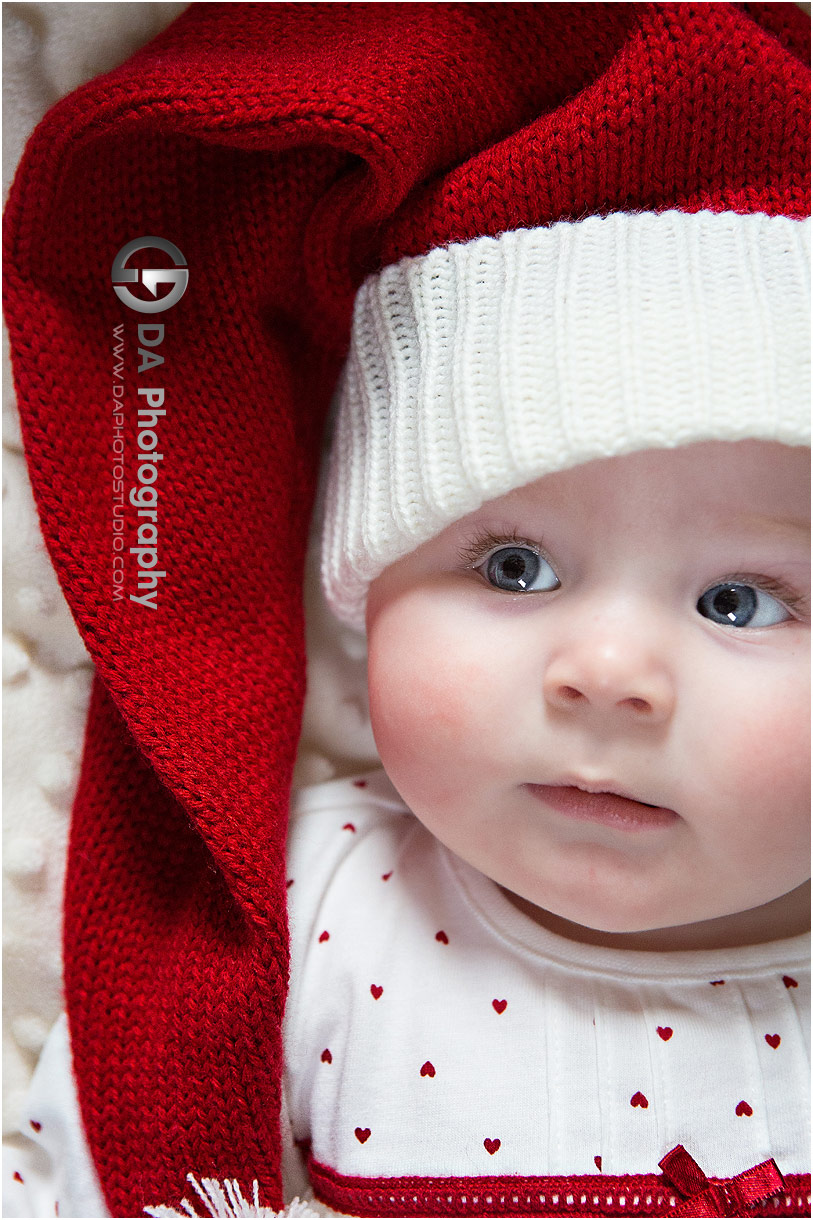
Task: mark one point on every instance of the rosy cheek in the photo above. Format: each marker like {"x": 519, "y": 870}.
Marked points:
{"x": 772, "y": 749}
{"x": 427, "y": 696}
{"x": 762, "y": 766}
{"x": 418, "y": 703}
{"x": 412, "y": 712}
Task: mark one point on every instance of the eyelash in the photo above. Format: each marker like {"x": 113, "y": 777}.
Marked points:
{"x": 797, "y": 603}
{"x": 481, "y": 544}
{"x": 477, "y": 549}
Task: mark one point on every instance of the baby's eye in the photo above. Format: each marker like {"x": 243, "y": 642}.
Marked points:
{"x": 736, "y": 605}
{"x": 518, "y": 569}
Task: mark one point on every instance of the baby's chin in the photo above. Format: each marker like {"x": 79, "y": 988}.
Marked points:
{"x": 781, "y": 917}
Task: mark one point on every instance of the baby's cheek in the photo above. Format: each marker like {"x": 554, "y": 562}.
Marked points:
{"x": 770, "y": 753}
{"x": 764, "y": 769}
{"x": 428, "y": 703}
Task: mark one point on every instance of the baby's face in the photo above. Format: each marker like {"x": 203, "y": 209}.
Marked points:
{"x": 596, "y": 691}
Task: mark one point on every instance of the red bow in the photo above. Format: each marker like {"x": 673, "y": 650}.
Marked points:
{"x": 723, "y": 1197}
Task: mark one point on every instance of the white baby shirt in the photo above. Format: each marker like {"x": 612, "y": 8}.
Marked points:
{"x": 441, "y": 1046}
{"x": 435, "y": 1031}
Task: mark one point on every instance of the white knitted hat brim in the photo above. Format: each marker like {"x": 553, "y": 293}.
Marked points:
{"x": 485, "y": 365}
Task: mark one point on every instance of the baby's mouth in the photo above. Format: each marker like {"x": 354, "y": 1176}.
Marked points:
{"x": 607, "y": 808}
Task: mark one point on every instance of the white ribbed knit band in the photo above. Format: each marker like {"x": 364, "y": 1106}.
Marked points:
{"x": 479, "y": 367}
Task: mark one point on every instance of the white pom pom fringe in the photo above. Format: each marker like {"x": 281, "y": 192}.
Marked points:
{"x": 227, "y": 1199}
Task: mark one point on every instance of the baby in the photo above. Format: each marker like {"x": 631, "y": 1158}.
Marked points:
{"x": 576, "y": 942}
{"x": 553, "y": 959}
{"x": 595, "y": 691}
{"x": 556, "y": 956}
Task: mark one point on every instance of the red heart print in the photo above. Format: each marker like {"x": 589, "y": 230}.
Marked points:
{"x": 359, "y": 783}
{"x": 428, "y": 1069}
{"x": 386, "y": 876}
{"x": 362, "y": 1134}
{"x": 442, "y": 937}
{"x": 773, "y": 1040}
{"x": 597, "y": 1162}
{"x": 499, "y": 1005}
{"x": 788, "y": 981}
{"x": 375, "y": 991}
{"x": 326, "y": 1056}
{"x": 37, "y": 1126}
{"x": 18, "y": 1177}
{"x": 718, "y": 983}
{"x": 638, "y": 1099}
{"x": 665, "y": 1032}
{"x": 491, "y": 1146}
{"x": 323, "y": 937}
{"x": 743, "y": 1108}
{"x": 349, "y": 826}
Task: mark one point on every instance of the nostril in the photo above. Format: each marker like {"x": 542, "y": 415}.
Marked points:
{"x": 570, "y": 692}
{"x": 637, "y": 705}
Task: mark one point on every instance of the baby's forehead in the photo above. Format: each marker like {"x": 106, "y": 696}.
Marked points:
{"x": 747, "y": 486}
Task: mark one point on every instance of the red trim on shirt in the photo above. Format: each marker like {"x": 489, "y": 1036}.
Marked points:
{"x": 585, "y": 1195}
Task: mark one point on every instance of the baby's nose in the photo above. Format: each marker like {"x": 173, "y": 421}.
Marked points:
{"x": 617, "y": 677}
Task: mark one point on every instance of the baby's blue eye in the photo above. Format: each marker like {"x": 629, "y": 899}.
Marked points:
{"x": 735, "y": 605}
{"x": 518, "y": 569}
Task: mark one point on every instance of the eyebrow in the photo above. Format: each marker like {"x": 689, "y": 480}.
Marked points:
{"x": 776, "y": 525}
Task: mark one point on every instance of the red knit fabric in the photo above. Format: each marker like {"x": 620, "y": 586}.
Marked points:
{"x": 287, "y": 150}
{"x": 634, "y": 1194}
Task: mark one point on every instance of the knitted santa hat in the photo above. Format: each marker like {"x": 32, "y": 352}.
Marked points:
{"x": 568, "y": 211}
{"x": 603, "y": 281}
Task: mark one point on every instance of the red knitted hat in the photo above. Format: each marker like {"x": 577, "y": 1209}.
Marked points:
{"x": 282, "y": 153}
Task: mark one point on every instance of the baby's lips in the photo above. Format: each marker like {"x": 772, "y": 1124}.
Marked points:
{"x": 609, "y": 788}
{"x": 603, "y": 805}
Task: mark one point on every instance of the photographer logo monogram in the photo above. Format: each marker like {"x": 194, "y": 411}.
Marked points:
{"x": 143, "y": 494}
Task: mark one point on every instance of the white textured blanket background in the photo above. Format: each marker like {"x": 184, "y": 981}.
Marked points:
{"x": 48, "y": 50}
